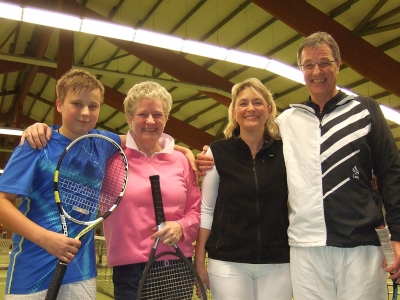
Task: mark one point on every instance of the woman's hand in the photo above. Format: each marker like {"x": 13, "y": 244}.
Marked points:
{"x": 202, "y": 272}
{"x": 170, "y": 234}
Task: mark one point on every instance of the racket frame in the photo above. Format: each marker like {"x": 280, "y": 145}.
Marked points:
{"x": 160, "y": 220}
{"x": 61, "y": 266}
{"x": 384, "y": 238}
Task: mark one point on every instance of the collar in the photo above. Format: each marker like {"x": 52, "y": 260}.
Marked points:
{"x": 268, "y": 141}
{"x": 330, "y": 105}
{"x": 166, "y": 141}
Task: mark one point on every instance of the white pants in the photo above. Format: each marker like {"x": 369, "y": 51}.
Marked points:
{"x": 338, "y": 273}
{"x": 239, "y": 281}
{"x": 74, "y": 291}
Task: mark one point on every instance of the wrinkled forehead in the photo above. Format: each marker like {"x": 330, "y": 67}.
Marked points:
{"x": 317, "y": 52}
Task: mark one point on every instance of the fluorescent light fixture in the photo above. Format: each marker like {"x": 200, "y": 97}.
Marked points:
{"x": 1, "y": 171}
{"x": 107, "y": 29}
{"x": 51, "y": 18}
{"x": 11, "y": 131}
{"x": 10, "y": 11}
{"x": 348, "y": 92}
{"x": 390, "y": 114}
{"x": 203, "y": 49}
{"x": 247, "y": 59}
{"x": 113, "y": 30}
{"x": 284, "y": 70}
{"x": 158, "y": 40}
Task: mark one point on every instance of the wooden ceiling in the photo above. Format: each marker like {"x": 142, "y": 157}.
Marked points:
{"x": 33, "y": 56}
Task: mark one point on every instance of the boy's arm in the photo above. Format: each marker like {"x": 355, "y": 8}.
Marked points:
{"x": 37, "y": 135}
{"x": 56, "y": 244}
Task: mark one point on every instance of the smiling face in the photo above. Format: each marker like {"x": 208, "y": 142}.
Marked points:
{"x": 251, "y": 111}
{"x": 148, "y": 122}
{"x": 321, "y": 82}
{"x": 80, "y": 112}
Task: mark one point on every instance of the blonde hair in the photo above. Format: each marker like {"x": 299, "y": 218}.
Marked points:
{"x": 147, "y": 89}
{"x": 271, "y": 128}
{"x": 76, "y": 81}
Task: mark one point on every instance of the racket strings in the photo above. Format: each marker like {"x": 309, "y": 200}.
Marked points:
{"x": 78, "y": 197}
{"x": 114, "y": 179}
{"x": 92, "y": 178}
{"x": 169, "y": 280}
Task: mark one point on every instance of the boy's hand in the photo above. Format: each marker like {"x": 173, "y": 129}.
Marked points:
{"x": 37, "y": 135}
{"x": 204, "y": 162}
{"x": 60, "y": 246}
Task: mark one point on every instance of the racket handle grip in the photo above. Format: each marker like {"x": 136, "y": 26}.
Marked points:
{"x": 56, "y": 281}
{"x": 384, "y": 238}
{"x": 157, "y": 199}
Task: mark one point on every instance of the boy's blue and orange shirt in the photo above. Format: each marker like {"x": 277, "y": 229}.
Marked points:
{"x": 29, "y": 174}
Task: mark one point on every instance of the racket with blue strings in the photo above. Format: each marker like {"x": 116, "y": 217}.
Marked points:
{"x": 89, "y": 182}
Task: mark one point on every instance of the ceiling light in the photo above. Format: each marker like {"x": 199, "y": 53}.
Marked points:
{"x": 51, "y": 18}
{"x": 113, "y": 30}
{"x": 107, "y": 29}
{"x": 390, "y": 114}
{"x": 247, "y": 59}
{"x": 11, "y": 131}
{"x": 10, "y": 11}
{"x": 284, "y": 70}
{"x": 158, "y": 40}
{"x": 203, "y": 49}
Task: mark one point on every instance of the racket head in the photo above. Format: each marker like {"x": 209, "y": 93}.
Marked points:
{"x": 90, "y": 178}
{"x": 170, "y": 275}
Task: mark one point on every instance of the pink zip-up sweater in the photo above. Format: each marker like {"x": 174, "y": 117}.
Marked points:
{"x": 127, "y": 230}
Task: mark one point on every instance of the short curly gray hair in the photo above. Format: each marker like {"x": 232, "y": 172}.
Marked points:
{"x": 147, "y": 89}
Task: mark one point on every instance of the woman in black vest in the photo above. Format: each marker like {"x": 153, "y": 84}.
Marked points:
{"x": 244, "y": 214}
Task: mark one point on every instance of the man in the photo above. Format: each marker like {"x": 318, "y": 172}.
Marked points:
{"x": 333, "y": 146}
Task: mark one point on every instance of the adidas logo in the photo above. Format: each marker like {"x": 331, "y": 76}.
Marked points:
{"x": 356, "y": 173}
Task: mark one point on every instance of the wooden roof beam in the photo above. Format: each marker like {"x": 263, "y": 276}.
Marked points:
{"x": 355, "y": 51}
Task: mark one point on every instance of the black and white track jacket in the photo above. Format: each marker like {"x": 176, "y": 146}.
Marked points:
{"x": 330, "y": 158}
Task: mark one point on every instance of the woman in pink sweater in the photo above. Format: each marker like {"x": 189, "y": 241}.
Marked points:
{"x": 130, "y": 230}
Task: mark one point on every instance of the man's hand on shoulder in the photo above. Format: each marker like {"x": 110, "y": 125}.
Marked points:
{"x": 204, "y": 162}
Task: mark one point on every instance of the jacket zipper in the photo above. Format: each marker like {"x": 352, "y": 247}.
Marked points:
{"x": 257, "y": 211}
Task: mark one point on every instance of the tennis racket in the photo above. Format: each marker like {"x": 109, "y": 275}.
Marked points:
{"x": 168, "y": 275}
{"x": 89, "y": 182}
{"x": 384, "y": 238}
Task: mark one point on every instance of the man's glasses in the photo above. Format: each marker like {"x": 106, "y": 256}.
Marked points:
{"x": 322, "y": 65}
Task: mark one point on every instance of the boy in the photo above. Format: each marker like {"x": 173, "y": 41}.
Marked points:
{"x": 38, "y": 241}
